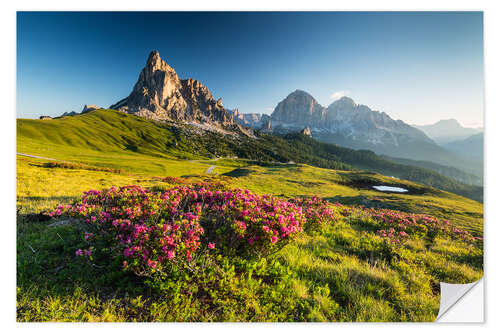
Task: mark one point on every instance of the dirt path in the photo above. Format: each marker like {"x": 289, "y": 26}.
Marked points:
{"x": 211, "y": 169}
{"x": 34, "y": 156}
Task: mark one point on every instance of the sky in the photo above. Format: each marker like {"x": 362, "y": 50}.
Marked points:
{"x": 419, "y": 67}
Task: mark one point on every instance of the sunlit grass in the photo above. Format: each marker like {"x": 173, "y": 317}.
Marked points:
{"x": 331, "y": 276}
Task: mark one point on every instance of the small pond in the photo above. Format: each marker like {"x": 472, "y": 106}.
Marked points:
{"x": 384, "y": 188}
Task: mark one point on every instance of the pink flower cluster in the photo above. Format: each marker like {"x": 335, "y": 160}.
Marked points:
{"x": 173, "y": 180}
{"x": 397, "y": 226}
{"x": 317, "y": 211}
{"x": 152, "y": 230}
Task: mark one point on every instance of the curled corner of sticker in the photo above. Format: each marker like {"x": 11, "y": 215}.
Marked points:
{"x": 452, "y": 295}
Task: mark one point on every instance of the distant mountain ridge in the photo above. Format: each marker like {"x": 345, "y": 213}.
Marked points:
{"x": 348, "y": 124}
{"x": 253, "y": 120}
{"x": 343, "y": 117}
{"x": 448, "y": 130}
{"x": 471, "y": 147}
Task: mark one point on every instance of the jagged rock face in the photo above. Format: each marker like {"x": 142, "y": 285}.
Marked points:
{"x": 252, "y": 120}
{"x": 299, "y": 108}
{"x": 201, "y": 105}
{"x": 160, "y": 94}
{"x": 346, "y": 117}
{"x": 352, "y": 125}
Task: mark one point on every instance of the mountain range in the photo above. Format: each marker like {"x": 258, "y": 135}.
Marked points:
{"x": 348, "y": 124}
{"x": 471, "y": 147}
{"x": 446, "y": 131}
{"x": 159, "y": 94}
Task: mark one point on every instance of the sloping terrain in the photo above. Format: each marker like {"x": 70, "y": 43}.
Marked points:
{"x": 102, "y": 136}
{"x": 344, "y": 272}
{"x": 352, "y": 267}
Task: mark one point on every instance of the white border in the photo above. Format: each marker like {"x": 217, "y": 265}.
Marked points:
{"x": 8, "y": 70}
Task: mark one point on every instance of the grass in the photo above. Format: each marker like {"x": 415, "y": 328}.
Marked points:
{"x": 344, "y": 273}
{"x": 354, "y": 188}
{"x": 335, "y": 275}
{"x": 108, "y": 138}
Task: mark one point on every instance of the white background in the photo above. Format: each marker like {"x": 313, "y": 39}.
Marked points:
{"x": 8, "y": 125}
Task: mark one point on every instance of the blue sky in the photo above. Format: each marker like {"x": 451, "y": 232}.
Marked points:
{"x": 418, "y": 67}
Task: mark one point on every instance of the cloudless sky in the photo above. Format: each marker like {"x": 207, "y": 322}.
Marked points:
{"x": 416, "y": 66}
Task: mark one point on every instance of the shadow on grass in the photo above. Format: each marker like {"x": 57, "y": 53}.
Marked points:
{"x": 392, "y": 202}
{"x": 53, "y": 198}
{"x": 236, "y": 173}
{"x": 48, "y": 269}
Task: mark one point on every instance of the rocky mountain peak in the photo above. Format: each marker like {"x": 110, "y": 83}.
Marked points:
{"x": 156, "y": 63}
{"x": 160, "y": 94}
{"x": 154, "y": 57}
{"x": 343, "y": 103}
{"x": 298, "y": 107}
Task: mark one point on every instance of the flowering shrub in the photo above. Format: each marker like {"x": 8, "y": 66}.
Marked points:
{"x": 318, "y": 213}
{"x": 246, "y": 223}
{"x": 397, "y": 226}
{"x": 159, "y": 231}
{"x": 155, "y": 231}
{"x": 173, "y": 180}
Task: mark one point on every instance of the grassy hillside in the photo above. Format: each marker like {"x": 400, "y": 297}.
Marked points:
{"x": 355, "y": 188}
{"x": 413, "y": 150}
{"x": 344, "y": 272}
{"x": 346, "y": 264}
{"x": 448, "y": 171}
{"x": 367, "y": 160}
{"x": 104, "y": 136}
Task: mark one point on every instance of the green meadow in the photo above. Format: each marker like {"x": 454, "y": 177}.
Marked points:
{"x": 344, "y": 272}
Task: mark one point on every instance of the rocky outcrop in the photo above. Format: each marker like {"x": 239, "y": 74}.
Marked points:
{"x": 72, "y": 113}
{"x": 306, "y": 131}
{"x": 266, "y": 126}
{"x": 90, "y": 107}
{"x": 160, "y": 94}
{"x": 252, "y": 120}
